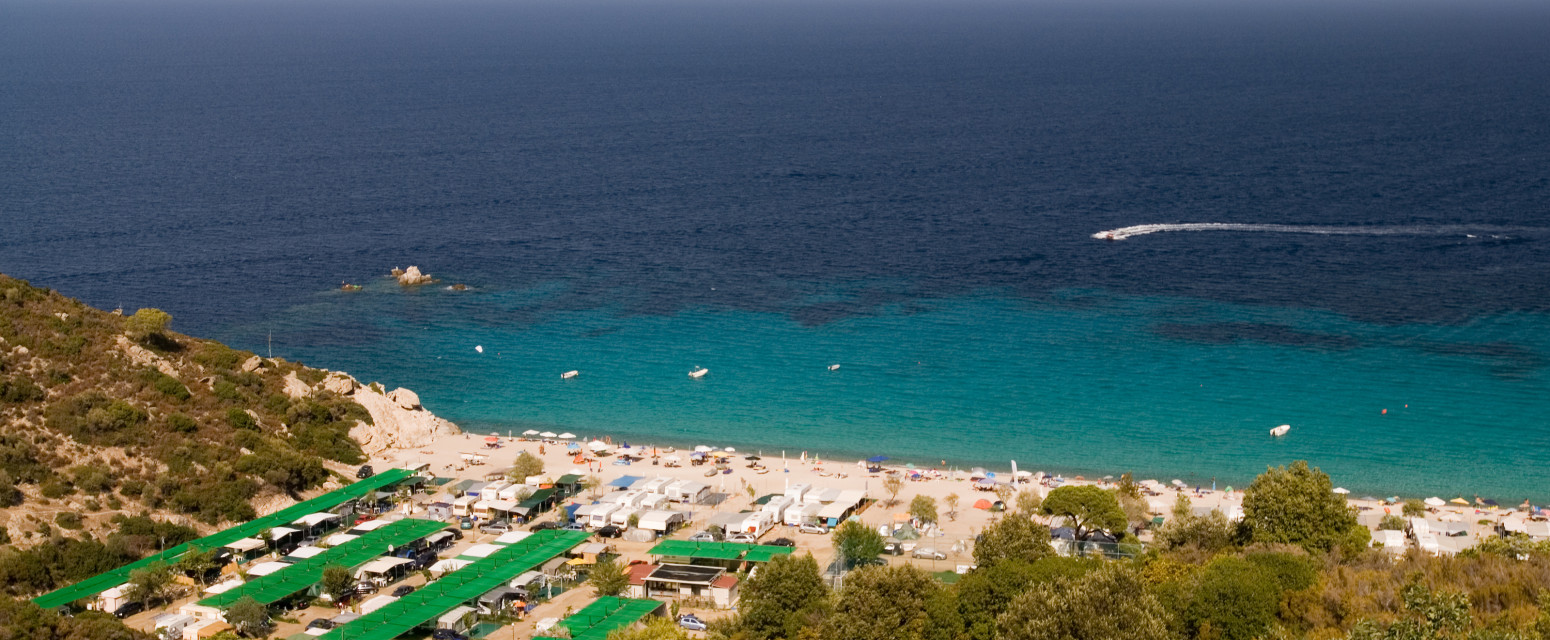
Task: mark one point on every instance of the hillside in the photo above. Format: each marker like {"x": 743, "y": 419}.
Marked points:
{"x": 107, "y": 418}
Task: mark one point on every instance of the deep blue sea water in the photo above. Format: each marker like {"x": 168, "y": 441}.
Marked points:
{"x": 908, "y": 189}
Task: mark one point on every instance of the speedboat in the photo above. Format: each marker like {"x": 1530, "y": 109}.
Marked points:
{"x": 569, "y": 374}
{"x": 699, "y": 373}
{"x": 1281, "y": 430}
{"x": 834, "y": 367}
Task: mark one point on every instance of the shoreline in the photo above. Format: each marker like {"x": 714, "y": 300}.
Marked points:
{"x": 1193, "y": 481}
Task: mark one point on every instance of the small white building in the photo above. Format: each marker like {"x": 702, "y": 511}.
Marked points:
{"x": 621, "y": 516}
{"x": 595, "y": 515}
{"x": 459, "y": 619}
{"x": 824, "y": 496}
{"x": 662, "y": 521}
{"x": 464, "y": 507}
{"x": 801, "y": 513}
{"x": 112, "y": 599}
{"x": 688, "y": 492}
{"x": 777, "y": 504}
{"x": 798, "y": 490}
{"x": 1392, "y": 541}
{"x": 492, "y": 491}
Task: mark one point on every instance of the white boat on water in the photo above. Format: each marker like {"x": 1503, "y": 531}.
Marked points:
{"x": 1281, "y": 430}
{"x": 834, "y": 367}
{"x": 569, "y": 374}
{"x": 699, "y": 373}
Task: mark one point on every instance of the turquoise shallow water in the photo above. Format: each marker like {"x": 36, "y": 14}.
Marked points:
{"x": 1084, "y": 382}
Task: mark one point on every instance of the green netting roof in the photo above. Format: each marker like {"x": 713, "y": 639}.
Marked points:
{"x": 763, "y": 553}
{"x": 569, "y": 478}
{"x": 458, "y": 587}
{"x": 718, "y": 550}
{"x": 306, "y": 572}
{"x": 537, "y": 498}
{"x": 605, "y": 615}
{"x": 107, "y": 580}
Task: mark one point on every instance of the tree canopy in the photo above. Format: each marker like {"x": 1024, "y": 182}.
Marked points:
{"x": 525, "y": 466}
{"x": 608, "y": 578}
{"x": 1015, "y": 537}
{"x": 1109, "y": 603}
{"x": 1297, "y": 505}
{"x": 888, "y": 602}
{"x": 1086, "y": 508}
{"x": 781, "y": 598}
{"x": 856, "y": 542}
{"x": 923, "y": 508}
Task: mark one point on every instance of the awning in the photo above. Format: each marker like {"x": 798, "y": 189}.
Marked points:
{"x": 624, "y": 481}
{"x": 512, "y": 537}
{"x": 306, "y": 552}
{"x": 481, "y": 550}
{"x": 314, "y": 519}
{"x": 382, "y": 565}
{"x": 339, "y": 538}
{"x": 275, "y": 533}
{"x": 449, "y": 565}
{"x": 266, "y": 568}
{"x": 245, "y": 544}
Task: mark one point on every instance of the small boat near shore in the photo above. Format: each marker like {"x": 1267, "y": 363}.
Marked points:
{"x": 834, "y": 367}
{"x": 569, "y": 374}
{"x": 1281, "y": 430}
{"x": 699, "y": 373}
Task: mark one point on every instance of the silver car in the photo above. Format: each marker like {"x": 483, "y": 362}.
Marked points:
{"x": 928, "y": 553}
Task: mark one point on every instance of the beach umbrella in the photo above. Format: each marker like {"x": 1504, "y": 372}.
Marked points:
{"x": 572, "y": 446}
{"x": 730, "y": 450}
{"x": 751, "y": 458}
{"x": 566, "y": 436}
{"x": 530, "y": 432}
{"x": 992, "y": 475}
{"x": 1177, "y": 482}
{"x": 1460, "y": 501}
{"x": 597, "y": 445}
{"x": 492, "y": 439}
{"x": 1342, "y": 490}
{"x": 1434, "y": 501}
{"x": 877, "y": 458}
{"x": 1229, "y": 489}
{"x": 547, "y": 434}
{"x": 702, "y": 449}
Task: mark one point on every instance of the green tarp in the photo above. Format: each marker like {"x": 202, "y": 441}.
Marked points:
{"x": 459, "y": 587}
{"x": 104, "y": 581}
{"x": 718, "y": 550}
{"x": 306, "y": 572}
{"x": 605, "y": 615}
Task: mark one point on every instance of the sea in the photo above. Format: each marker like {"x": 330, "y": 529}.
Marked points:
{"x": 1088, "y": 237}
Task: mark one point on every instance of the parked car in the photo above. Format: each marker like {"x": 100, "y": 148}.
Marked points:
{"x": 128, "y": 609}
{"x": 545, "y": 526}
{"x": 609, "y": 531}
{"x": 448, "y": 634}
{"x": 575, "y": 526}
{"x": 688, "y": 621}
{"x": 465, "y": 524}
{"x": 928, "y": 553}
{"x": 703, "y": 536}
{"x": 893, "y": 548}
{"x": 365, "y": 586}
{"x": 746, "y": 538}
{"x": 782, "y": 542}
{"x": 321, "y": 623}
{"x": 364, "y": 472}
{"x": 813, "y": 528}
{"x": 403, "y": 590}
{"x": 496, "y": 527}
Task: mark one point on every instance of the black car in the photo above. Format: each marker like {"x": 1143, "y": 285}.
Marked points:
{"x": 128, "y": 609}
{"x": 545, "y": 526}
{"x": 448, "y": 634}
{"x": 403, "y": 590}
{"x": 321, "y": 623}
{"x": 782, "y": 542}
{"x": 609, "y": 531}
{"x": 365, "y": 472}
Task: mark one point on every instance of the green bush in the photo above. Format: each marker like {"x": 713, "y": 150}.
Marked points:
{"x": 182, "y": 423}
{"x": 54, "y": 488}
{"x": 225, "y": 390}
{"x": 167, "y": 385}
{"x": 68, "y": 520}
{"x": 1231, "y": 600}
{"x": 19, "y": 390}
{"x": 240, "y": 419}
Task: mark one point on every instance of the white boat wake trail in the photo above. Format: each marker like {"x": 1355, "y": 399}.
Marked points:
{"x": 1413, "y": 230}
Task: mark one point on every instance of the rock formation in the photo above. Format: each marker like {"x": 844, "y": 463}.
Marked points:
{"x": 399, "y": 421}
{"x": 411, "y": 276}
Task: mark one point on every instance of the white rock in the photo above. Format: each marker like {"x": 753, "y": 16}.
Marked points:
{"x": 340, "y": 383}
{"x": 412, "y": 275}
{"x": 404, "y": 398}
{"x": 252, "y": 364}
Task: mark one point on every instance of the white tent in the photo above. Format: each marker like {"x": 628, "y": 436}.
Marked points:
{"x": 266, "y": 568}
{"x": 449, "y": 565}
{"x": 480, "y": 551}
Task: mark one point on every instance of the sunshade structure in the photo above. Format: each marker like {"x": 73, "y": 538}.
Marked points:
{"x": 277, "y": 586}
{"x": 107, "y": 580}
{"x": 718, "y": 550}
{"x": 458, "y": 587}
{"x": 566, "y": 436}
{"x": 1459, "y": 501}
{"x": 606, "y": 615}
{"x": 877, "y": 459}
{"x": 530, "y": 432}
{"x": 1435, "y": 501}
{"x": 546, "y": 434}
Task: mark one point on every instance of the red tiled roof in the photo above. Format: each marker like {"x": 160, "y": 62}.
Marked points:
{"x": 638, "y": 572}
{"x": 726, "y": 581}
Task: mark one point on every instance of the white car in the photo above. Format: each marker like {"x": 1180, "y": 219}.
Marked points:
{"x": 813, "y": 528}
{"x": 745, "y": 538}
{"x": 928, "y": 553}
